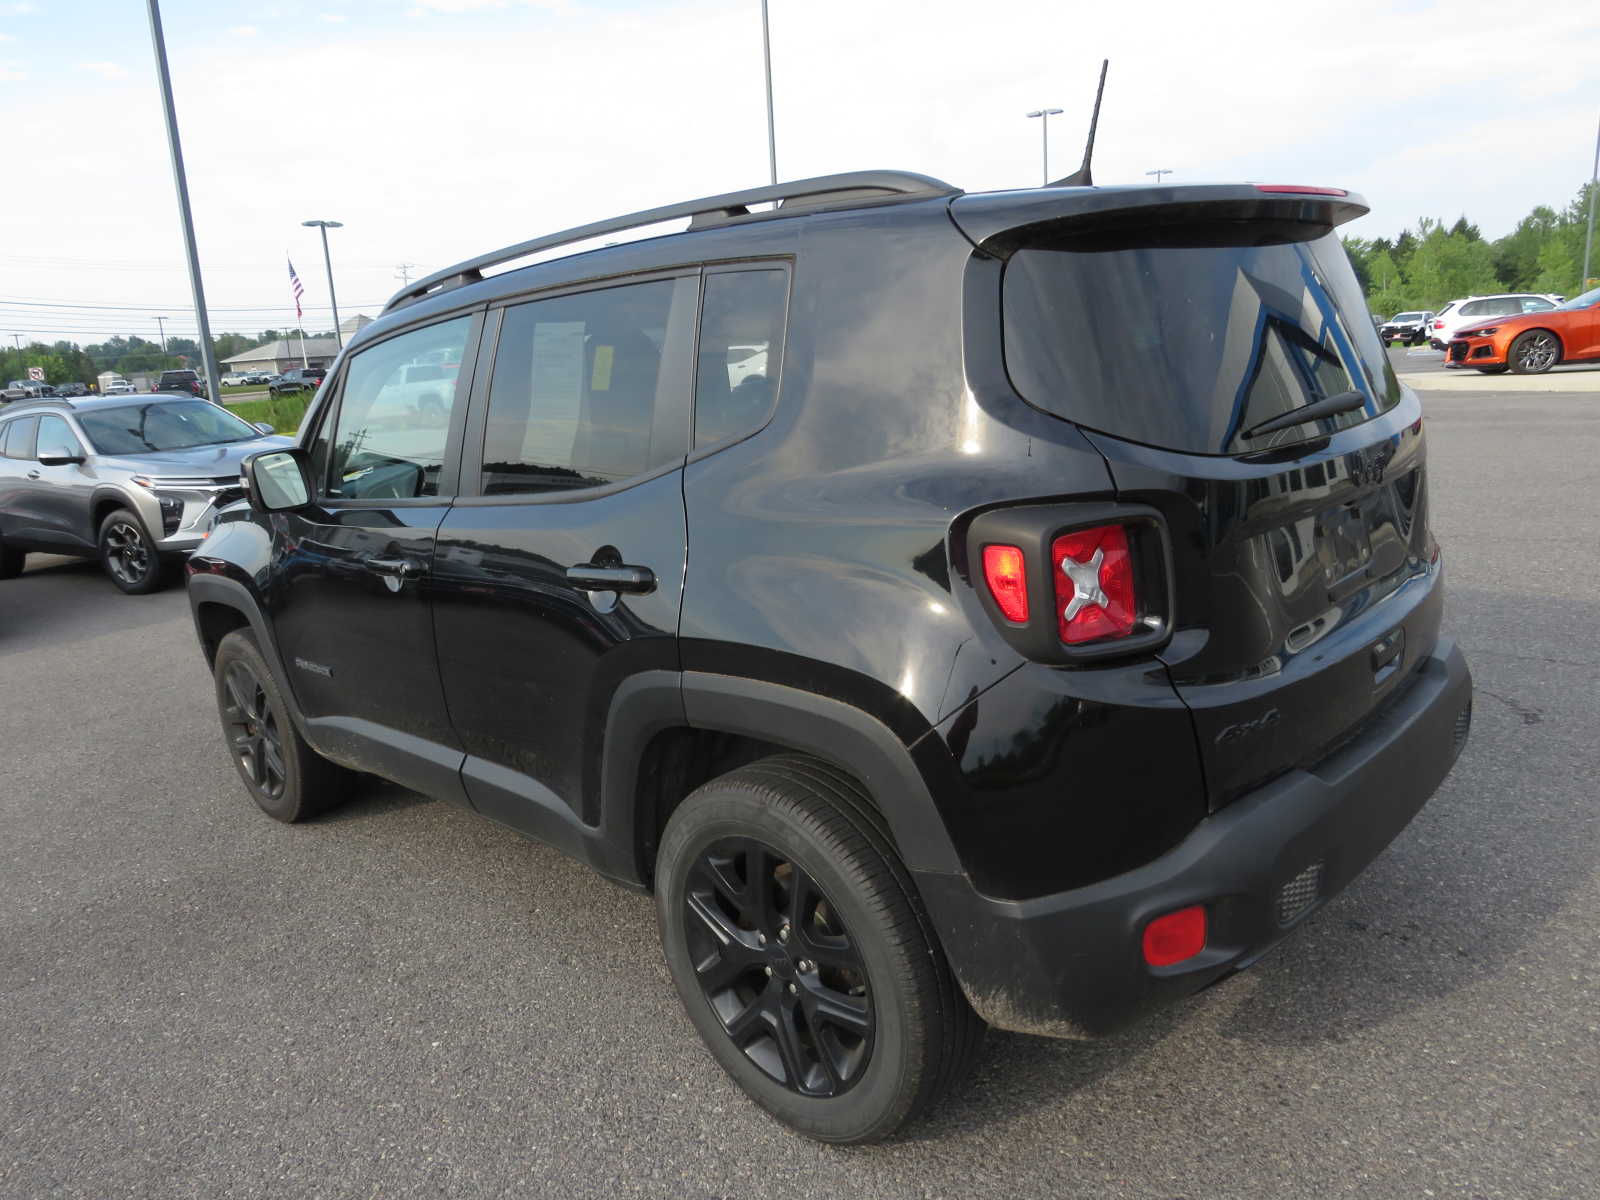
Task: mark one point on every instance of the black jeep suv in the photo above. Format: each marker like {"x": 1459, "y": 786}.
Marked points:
{"x": 1014, "y": 608}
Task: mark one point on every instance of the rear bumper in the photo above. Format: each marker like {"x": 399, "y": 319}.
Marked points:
{"x": 1071, "y": 965}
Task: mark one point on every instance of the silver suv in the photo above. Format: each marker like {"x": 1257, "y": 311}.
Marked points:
{"x": 133, "y": 481}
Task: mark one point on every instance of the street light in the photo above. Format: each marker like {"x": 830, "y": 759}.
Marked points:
{"x": 327, "y": 261}
{"x": 1159, "y": 172}
{"x": 1046, "y": 113}
{"x": 1588, "y": 236}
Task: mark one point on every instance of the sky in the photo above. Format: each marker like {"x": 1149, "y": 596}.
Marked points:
{"x": 440, "y": 129}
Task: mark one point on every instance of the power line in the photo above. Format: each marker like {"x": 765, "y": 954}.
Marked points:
{"x": 276, "y": 306}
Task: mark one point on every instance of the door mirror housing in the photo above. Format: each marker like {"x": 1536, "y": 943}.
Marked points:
{"x": 278, "y": 480}
{"x": 60, "y": 456}
{"x": 263, "y": 427}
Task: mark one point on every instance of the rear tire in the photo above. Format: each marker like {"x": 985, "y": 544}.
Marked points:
{"x": 1534, "y": 352}
{"x": 12, "y": 561}
{"x": 286, "y": 778}
{"x": 802, "y": 953}
{"x": 129, "y": 555}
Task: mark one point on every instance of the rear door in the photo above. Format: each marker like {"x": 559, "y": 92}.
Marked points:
{"x": 559, "y": 572}
{"x": 1304, "y": 580}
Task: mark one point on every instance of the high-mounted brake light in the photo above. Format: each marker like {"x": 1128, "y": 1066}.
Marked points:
{"x": 1003, "y": 571}
{"x": 1176, "y": 937}
{"x": 1300, "y": 190}
{"x": 1094, "y": 586}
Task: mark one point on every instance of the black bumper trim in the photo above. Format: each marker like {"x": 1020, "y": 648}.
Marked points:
{"x": 1069, "y": 965}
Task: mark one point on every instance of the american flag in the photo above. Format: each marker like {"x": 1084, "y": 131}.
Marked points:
{"x": 297, "y": 288}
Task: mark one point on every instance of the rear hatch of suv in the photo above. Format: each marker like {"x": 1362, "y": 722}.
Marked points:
{"x": 1215, "y": 347}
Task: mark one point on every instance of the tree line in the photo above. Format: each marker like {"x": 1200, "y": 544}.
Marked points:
{"x": 67, "y": 362}
{"x": 1423, "y": 270}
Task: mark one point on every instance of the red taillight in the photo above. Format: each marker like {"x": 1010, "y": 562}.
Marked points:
{"x": 1438, "y": 324}
{"x": 1176, "y": 937}
{"x": 1003, "y": 572}
{"x": 1300, "y": 190}
{"x": 1093, "y": 573}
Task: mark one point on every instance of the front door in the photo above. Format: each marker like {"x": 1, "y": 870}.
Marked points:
{"x": 352, "y": 612}
{"x": 61, "y": 495}
{"x": 559, "y": 572}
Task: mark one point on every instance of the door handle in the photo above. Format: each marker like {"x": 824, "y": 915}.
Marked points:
{"x": 599, "y": 577}
{"x": 33, "y": 474}
{"x": 394, "y": 568}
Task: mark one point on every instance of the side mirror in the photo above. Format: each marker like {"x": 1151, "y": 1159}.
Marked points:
{"x": 263, "y": 427}
{"x": 60, "y": 456}
{"x": 278, "y": 480}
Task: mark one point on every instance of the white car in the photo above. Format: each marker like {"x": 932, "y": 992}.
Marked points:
{"x": 235, "y": 379}
{"x": 1464, "y": 311}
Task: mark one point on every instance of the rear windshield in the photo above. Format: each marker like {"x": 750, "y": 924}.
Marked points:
{"x": 1189, "y": 338}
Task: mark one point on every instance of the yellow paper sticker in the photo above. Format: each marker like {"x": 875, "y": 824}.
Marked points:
{"x": 600, "y": 378}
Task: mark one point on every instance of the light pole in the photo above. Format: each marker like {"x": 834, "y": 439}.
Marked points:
{"x": 1588, "y": 237}
{"x": 327, "y": 262}
{"x": 180, "y": 180}
{"x": 1159, "y": 172}
{"x": 766, "y": 54}
{"x": 1046, "y": 114}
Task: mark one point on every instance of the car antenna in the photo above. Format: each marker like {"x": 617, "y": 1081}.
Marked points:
{"x": 1081, "y": 177}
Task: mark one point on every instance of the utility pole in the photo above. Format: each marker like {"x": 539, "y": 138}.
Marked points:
{"x": 403, "y": 273}
{"x": 766, "y": 53}
{"x": 180, "y": 180}
{"x": 1588, "y": 237}
{"x": 1044, "y": 128}
{"x": 1159, "y": 172}
{"x": 17, "y": 338}
{"x": 161, "y": 324}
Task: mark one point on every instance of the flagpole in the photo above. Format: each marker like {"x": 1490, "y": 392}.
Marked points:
{"x": 304, "y": 361}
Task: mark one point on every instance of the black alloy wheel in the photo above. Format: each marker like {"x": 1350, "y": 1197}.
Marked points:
{"x": 778, "y": 967}
{"x": 251, "y": 728}
{"x": 127, "y": 554}
{"x": 1534, "y": 352}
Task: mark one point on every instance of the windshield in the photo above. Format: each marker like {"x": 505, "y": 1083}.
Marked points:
{"x": 1409, "y": 317}
{"x": 163, "y": 425}
{"x": 1187, "y": 338}
{"x": 1592, "y": 296}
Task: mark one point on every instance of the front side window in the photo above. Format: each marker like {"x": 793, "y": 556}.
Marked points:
{"x": 741, "y": 348}
{"x": 162, "y": 425}
{"x": 56, "y": 437}
{"x": 392, "y": 429}
{"x": 589, "y": 389}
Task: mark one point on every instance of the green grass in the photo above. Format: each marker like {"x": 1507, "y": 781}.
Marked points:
{"x": 239, "y": 389}
{"x": 283, "y": 413}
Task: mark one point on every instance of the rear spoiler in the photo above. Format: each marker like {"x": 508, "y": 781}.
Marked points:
{"x": 999, "y": 222}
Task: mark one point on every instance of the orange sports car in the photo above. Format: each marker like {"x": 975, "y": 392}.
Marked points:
{"x": 1531, "y": 343}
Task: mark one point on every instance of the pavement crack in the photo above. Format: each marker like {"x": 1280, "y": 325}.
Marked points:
{"x": 1529, "y": 715}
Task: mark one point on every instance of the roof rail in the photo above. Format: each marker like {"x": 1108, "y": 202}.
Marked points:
{"x": 856, "y": 187}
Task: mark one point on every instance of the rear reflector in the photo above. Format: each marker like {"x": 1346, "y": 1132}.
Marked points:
{"x": 1093, "y": 573}
{"x": 1300, "y": 189}
{"x": 1003, "y": 572}
{"x": 1176, "y": 937}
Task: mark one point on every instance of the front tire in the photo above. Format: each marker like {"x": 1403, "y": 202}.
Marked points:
{"x": 286, "y": 778}
{"x": 128, "y": 555}
{"x": 1493, "y": 369}
{"x": 1534, "y": 352}
{"x": 802, "y": 954}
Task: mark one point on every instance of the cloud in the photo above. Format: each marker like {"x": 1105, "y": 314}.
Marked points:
{"x": 332, "y": 18}
{"x": 11, "y": 72}
{"x": 244, "y": 31}
{"x": 6, "y": 37}
{"x": 16, "y": 10}
{"x": 106, "y": 70}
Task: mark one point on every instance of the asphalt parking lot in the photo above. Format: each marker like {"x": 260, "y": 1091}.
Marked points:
{"x": 403, "y": 1000}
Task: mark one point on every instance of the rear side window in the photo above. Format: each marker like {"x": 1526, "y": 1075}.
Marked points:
{"x": 19, "y": 437}
{"x": 1535, "y": 304}
{"x": 1187, "y": 339}
{"x": 741, "y": 352}
{"x": 589, "y": 389}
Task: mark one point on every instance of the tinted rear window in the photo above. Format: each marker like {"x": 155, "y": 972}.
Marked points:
{"x": 1188, "y": 338}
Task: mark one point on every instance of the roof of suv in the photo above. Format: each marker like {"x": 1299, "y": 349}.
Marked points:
{"x": 980, "y": 217}
{"x": 89, "y": 403}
